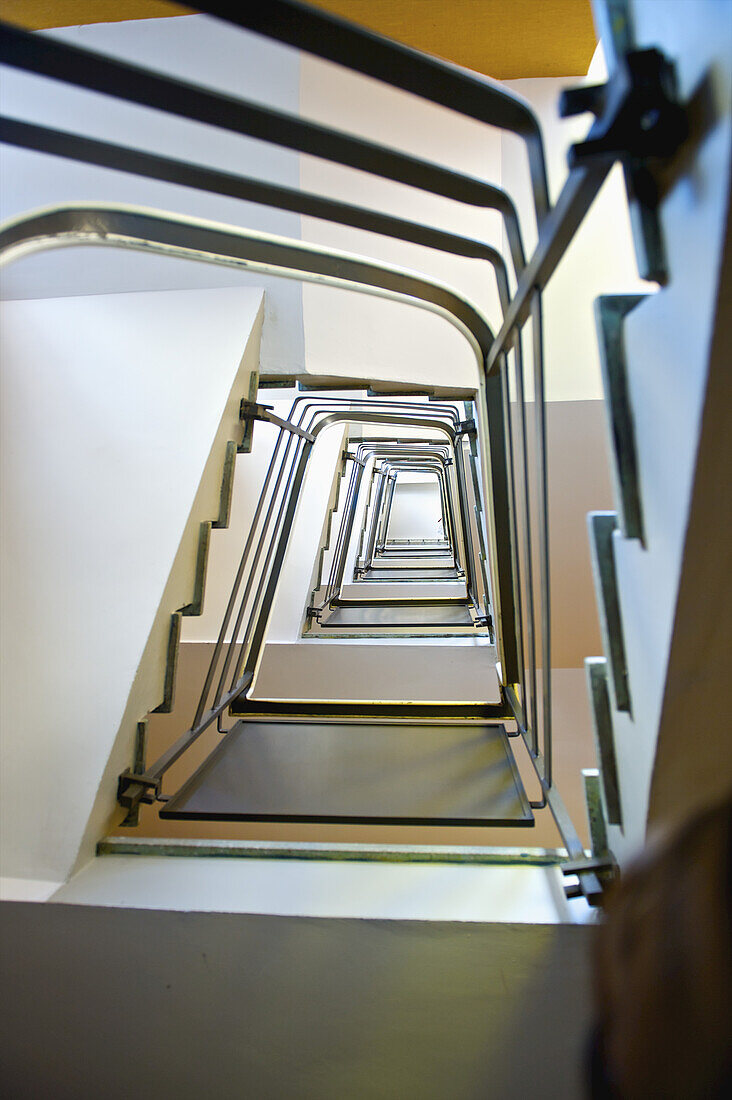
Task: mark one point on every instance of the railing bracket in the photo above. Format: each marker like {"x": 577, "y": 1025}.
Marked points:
{"x": 146, "y": 789}
{"x": 251, "y": 410}
{"x": 592, "y": 863}
{"x": 638, "y": 114}
{"x": 467, "y": 427}
{"x": 639, "y": 120}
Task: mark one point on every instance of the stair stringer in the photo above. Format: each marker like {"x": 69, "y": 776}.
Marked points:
{"x": 334, "y": 503}
{"x": 663, "y": 352}
{"x": 153, "y": 688}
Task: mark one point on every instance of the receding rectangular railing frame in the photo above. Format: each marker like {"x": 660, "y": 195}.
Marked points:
{"x": 556, "y": 229}
{"x": 100, "y": 73}
{"x": 380, "y": 512}
{"x": 415, "y": 446}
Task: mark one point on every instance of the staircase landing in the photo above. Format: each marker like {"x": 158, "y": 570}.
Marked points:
{"x": 410, "y": 773}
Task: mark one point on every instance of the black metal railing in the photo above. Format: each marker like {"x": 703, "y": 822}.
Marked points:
{"x": 514, "y": 497}
{"x": 385, "y": 462}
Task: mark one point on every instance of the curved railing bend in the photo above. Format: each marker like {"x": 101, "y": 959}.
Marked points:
{"x": 501, "y": 442}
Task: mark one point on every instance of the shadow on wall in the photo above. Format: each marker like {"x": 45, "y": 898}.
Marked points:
{"x": 230, "y": 1005}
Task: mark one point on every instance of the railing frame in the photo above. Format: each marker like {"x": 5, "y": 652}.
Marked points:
{"x": 325, "y": 36}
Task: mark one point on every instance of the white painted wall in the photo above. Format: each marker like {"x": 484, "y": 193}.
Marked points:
{"x": 345, "y": 333}
{"x": 116, "y": 410}
{"x": 288, "y": 608}
{"x": 195, "y": 48}
{"x": 311, "y": 888}
{"x": 227, "y": 545}
{"x": 415, "y": 512}
{"x": 600, "y": 259}
{"x": 350, "y": 334}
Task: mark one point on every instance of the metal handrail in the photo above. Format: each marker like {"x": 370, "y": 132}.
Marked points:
{"x": 439, "y": 469}
{"x": 244, "y": 645}
{"x": 143, "y": 229}
{"x": 124, "y": 227}
{"x": 436, "y": 468}
{"x": 439, "y": 81}
{"x": 416, "y": 460}
{"x": 338, "y": 564}
{"x": 119, "y": 226}
{"x": 379, "y": 511}
{"x": 413, "y": 446}
{"x": 133, "y": 83}
{"x": 103, "y": 74}
{"x": 104, "y": 154}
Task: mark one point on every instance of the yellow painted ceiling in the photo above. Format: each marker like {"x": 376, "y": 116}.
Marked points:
{"x": 505, "y": 39}
{"x": 36, "y": 14}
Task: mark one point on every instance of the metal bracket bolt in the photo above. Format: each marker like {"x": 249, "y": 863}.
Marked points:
{"x": 250, "y": 410}
{"x": 639, "y": 120}
{"x": 638, "y": 114}
{"x": 146, "y": 789}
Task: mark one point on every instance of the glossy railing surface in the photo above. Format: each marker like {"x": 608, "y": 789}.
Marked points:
{"x": 509, "y": 515}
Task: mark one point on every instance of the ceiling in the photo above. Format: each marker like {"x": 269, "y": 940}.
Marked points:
{"x": 505, "y": 39}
